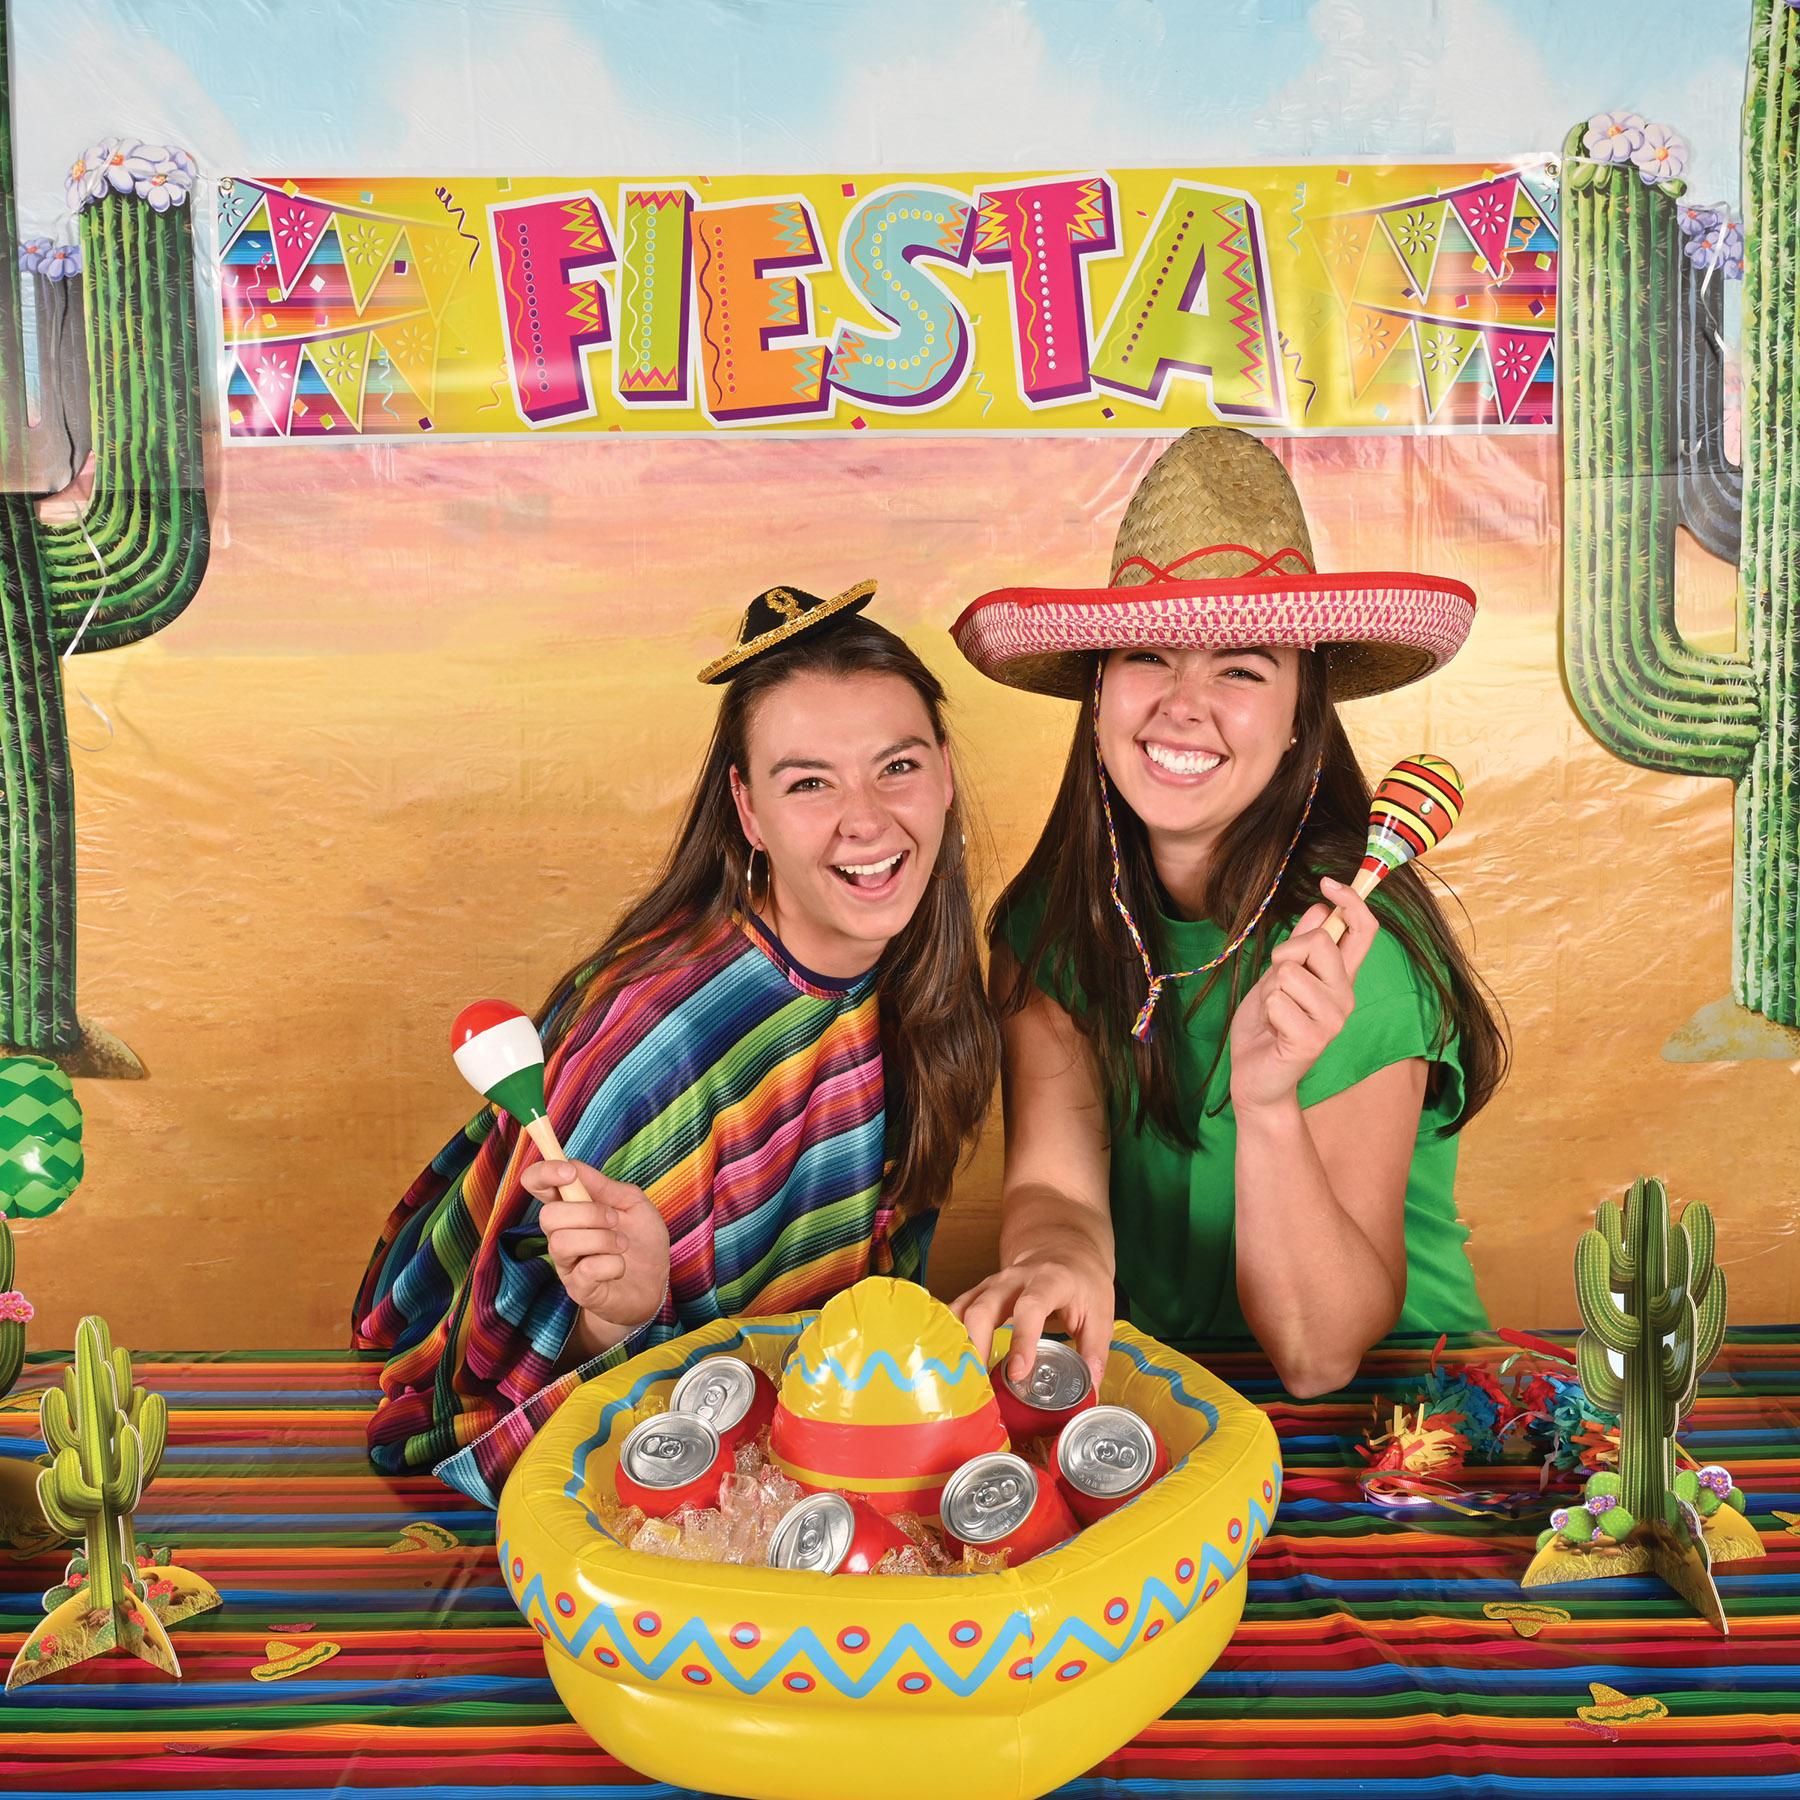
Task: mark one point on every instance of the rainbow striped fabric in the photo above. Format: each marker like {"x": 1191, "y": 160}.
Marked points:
{"x": 1367, "y": 1660}
{"x": 743, "y": 1094}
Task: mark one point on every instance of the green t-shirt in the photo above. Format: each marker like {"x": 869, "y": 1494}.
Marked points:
{"x": 1174, "y": 1210}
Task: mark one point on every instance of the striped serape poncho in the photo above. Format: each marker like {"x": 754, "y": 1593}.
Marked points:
{"x": 743, "y": 1094}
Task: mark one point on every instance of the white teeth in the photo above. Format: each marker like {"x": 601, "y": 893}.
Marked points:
{"x": 1182, "y": 762}
{"x": 880, "y": 868}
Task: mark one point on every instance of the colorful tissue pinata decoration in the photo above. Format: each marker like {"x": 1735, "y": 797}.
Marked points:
{"x": 884, "y": 1397}
{"x": 1529, "y": 1407}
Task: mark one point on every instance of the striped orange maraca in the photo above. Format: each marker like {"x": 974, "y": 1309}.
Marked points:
{"x": 1413, "y": 809}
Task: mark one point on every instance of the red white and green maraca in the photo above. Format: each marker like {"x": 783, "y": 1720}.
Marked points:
{"x": 1411, "y": 812}
{"x": 501, "y": 1056}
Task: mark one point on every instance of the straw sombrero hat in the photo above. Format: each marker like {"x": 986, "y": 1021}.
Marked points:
{"x": 1213, "y": 551}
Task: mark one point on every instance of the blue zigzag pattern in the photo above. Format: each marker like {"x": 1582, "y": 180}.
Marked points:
{"x": 908, "y": 1643}
{"x": 882, "y": 1362}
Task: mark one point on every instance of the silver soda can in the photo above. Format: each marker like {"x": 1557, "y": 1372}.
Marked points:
{"x": 671, "y": 1461}
{"x": 833, "y": 1534}
{"x": 1058, "y": 1387}
{"x": 734, "y": 1398}
{"x": 999, "y": 1501}
{"x": 1104, "y": 1457}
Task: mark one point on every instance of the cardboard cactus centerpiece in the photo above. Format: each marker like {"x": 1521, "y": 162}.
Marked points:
{"x": 106, "y": 1439}
{"x": 1653, "y": 1304}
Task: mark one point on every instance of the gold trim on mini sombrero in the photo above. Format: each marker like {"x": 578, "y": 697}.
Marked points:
{"x": 1214, "y": 551}
{"x": 778, "y": 614}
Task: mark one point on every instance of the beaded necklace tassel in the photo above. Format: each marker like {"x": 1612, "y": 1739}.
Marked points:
{"x": 1141, "y": 1029}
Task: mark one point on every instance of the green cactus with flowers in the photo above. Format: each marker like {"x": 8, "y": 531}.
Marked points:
{"x": 1642, "y": 454}
{"x": 124, "y": 563}
{"x": 1641, "y": 1356}
{"x": 106, "y": 1438}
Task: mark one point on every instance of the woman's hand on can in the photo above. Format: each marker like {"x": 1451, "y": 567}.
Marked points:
{"x": 1031, "y": 1293}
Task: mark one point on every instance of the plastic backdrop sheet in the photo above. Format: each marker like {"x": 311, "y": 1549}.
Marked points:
{"x": 421, "y": 489}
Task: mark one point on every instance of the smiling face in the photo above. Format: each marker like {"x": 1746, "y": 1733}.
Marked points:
{"x": 1191, "y": 737}
{"x": 847, "y": 790}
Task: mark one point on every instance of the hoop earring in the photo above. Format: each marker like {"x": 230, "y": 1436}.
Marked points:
{"x": 756, "y": 850}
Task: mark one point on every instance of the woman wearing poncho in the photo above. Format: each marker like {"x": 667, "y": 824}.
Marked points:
{"x": 764, "y": 1077}
{"x": 1215, "y": 1113}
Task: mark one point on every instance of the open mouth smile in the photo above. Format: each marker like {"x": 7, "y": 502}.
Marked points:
{"x": 873, "y": 880}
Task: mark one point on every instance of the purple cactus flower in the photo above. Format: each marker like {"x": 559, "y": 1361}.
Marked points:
{"x": 1697, "y": 221}
{"x": 166, "y": 185}
{"x": 1716, "y": 1478}
{"x": 87, "y": 177}
{"x": 1613, "y": 137}
{"x": 63, "y": 263}
{"x": 1602, "y": 1503}
{"x": 1663, "y": 155}
{"x": 1559, "y": 1518}
{"x": 32, "y": 253}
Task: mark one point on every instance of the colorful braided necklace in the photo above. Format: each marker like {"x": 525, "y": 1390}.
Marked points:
{"x": 1141, "y": 1030}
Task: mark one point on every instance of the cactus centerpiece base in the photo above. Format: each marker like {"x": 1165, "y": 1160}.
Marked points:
{"x": 1659, "y": 1550}
{"x": 77, "y": 1630}
{"x": 96, "y": 1055}
{"x": 1724, "y": 1031}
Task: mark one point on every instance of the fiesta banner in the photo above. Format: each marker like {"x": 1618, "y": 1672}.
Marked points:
{"x": 1298, "y": 298}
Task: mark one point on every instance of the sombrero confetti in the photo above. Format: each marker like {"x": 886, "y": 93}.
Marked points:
{"x": 1214, "y": 551}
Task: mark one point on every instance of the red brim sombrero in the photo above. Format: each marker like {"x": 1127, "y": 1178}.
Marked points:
{"x": 1218, "y": 500}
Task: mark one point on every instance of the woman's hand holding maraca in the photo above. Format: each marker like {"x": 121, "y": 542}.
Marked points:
{"x": 1282, "y": 1026}
{"x": 611, "y": 1252}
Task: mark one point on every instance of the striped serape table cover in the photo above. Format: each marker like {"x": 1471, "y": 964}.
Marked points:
{"x": 1365, "y": 1664}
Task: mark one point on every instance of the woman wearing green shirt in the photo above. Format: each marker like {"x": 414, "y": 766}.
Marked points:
{"x": 1213, "y": 1109}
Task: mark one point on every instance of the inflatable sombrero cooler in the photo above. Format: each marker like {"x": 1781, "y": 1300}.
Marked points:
{"x": 784, "y": 1685}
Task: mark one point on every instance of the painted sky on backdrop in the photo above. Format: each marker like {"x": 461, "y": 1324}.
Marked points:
{"x": 611, "y": 86}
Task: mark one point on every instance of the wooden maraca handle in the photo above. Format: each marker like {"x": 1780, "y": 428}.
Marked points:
{"x": 543, "y": 1134}
{"x": 1364, "y": 884}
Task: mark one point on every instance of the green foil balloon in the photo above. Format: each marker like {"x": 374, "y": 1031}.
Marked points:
{"x": 40, "y": 1137}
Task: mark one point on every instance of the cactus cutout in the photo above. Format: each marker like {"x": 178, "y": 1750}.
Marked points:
{"x": 1642, "y": 453}
{"x": 125, "y": 565}
{"x": 1642, "y": 1356}
{"x": 21, "y": 1521}
{"x": 106, "y": 1439}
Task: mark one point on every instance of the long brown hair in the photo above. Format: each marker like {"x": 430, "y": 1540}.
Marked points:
{"x": 940, "y": 1044}
{"x": 1082, "y": 942}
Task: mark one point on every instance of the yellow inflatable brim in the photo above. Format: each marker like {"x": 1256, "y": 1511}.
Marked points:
{"x": 761, "y": 1682}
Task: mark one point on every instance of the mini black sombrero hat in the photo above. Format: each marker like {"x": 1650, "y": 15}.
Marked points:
{"x": 777, "y": 615}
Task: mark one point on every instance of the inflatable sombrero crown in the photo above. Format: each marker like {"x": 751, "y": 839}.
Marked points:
{"x": 1214, "y": 551}
{"x": 884, "y": 1396}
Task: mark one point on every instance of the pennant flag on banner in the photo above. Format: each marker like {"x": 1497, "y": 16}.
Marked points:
{"x": 273, "y": 370}
{"x": 411, "y": 346}
{"x": 442, "y": 258}
{"x": 1514, "y": 357}
{"x": 1444, "y": 352}
{"x": 1374, "y": 337}
{"x": 367, "y": 244}
{"x": 238, "y": 199}
{"x": 1485, "y": 213}
{"x": 296, "y": 225}
{"x": 1417, "y": 234}
{"x": 343, "y": 365}
{"x": 1343, "y": 243}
